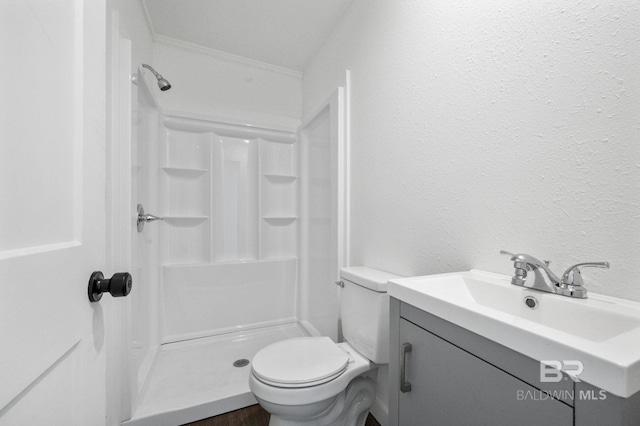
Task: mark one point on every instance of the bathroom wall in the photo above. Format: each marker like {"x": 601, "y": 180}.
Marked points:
{"x": 207, "y": 82}
{"x": 480, "y": 126}
{"x": 134, "y": 25}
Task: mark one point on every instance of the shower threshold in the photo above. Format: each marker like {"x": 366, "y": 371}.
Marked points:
{"x": 196, "y": 379}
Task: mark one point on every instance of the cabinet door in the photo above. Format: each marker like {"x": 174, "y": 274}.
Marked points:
{"x": 449, "y": 386}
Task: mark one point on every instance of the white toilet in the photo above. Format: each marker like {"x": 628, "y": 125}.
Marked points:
{"x": 314, "y": 381}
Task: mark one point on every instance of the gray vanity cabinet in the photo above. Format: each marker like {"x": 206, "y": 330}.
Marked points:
{"x": 459, "y": 378}
{"x": 449, "y": 386}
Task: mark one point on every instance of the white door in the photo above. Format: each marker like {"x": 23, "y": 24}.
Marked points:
{"x": 52, "y": 211}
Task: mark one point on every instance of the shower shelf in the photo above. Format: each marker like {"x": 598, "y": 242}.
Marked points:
{"x": 184, "y": 265}
{"x": 278, "y": 176}
{"x": 279, "y": 218}
{"x": 184, "y": 172}
{"x": 185, "y": 221}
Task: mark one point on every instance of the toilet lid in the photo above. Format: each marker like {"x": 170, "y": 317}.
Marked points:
{"x": 304, "y": 361}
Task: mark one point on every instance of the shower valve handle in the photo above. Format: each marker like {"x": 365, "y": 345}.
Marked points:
{"x": 119, "y": 285}
{"x": 144, "y": 218}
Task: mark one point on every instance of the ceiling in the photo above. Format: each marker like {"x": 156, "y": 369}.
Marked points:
{"x": 285, "y": 33}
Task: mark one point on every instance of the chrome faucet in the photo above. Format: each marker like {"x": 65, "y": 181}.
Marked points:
{"x": 544, "y": 279}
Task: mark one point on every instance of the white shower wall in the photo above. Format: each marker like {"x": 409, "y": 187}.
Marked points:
{"x": 219, "y": 298}
{"x": 229, "y": 191}
{"x": 228, "y": 242}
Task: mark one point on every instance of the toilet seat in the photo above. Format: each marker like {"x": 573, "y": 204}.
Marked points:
{"x": 310, "y": 394}
{"x": 300, "y": 362}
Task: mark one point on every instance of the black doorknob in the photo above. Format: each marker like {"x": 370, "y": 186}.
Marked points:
{"x": 118, "y": 285}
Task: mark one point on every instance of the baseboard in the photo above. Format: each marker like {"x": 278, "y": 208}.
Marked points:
{"x": 381, "y": 412}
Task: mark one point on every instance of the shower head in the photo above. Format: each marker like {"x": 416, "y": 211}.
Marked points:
{"x": 163, "y": 84}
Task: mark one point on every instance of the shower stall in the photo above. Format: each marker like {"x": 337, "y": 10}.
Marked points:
{"x": 249, "y": 246}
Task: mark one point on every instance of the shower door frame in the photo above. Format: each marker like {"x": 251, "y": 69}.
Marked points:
{"x": 123, "y": 384}
{"x": 337, "y": 105}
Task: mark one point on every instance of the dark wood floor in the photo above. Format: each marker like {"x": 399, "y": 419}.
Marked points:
{"x": 251, "y": 416}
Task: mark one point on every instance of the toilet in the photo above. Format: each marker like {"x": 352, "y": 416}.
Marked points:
{"x": 315, "y": 381}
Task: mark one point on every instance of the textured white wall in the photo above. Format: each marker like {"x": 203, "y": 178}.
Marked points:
{"x": 206, "y": 84}
{"x": 480, "y": 126}
{"x": 134, "y": 26}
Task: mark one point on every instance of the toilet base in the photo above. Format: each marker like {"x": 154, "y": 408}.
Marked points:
{"x": 349, "y": 408}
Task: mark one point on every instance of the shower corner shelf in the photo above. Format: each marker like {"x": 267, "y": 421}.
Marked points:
{"x": 185, "y": 221}
{"x": 283, "y": 218}
{"x": 280, "y": 176}
{"x": 184, "y": 172}
{"x": 185, "y": 265}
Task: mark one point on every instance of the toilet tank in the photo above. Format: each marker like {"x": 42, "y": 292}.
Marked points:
{"x": 364, "y": 311}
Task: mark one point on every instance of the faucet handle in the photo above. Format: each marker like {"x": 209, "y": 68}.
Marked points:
{"x": 520, "y": 274}
{"x": 519, "y": 260}
{"x": 572, "y": 275}
{"x": 571, "y": 283}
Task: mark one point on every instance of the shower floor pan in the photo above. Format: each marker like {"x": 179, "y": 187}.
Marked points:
{"x": 196, "y": 379}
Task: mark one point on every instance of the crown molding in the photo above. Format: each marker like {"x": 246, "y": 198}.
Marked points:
{"x": 229, "y": 57}
{"x": 218, "y": 54}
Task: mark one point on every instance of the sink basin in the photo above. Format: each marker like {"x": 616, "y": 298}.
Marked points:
{"x": 601, "y": 332}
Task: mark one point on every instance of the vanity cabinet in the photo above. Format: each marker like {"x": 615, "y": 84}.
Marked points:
{"x": 457, "y": 377}
{"x": 450, "y": 386}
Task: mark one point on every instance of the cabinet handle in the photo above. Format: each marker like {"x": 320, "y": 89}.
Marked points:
{"x": 405, "y": 386}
